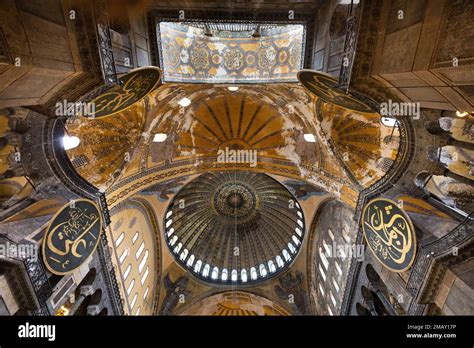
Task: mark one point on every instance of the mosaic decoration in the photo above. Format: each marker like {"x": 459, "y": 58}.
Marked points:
{"x": 291, "y": 286}
{"x": 230, "y": 57}
{"x": 325, "y": 87}
{"x": 390, "y": 234}
{"x": 359, "y": 142}
{"x": 105, "y": 144}
{"x": 132, "y": 87}
{"x": 302, "y": 190}
{"x": 173, "y": 292}
{"x": 72, "y": 236}
{"x": 257, "y": 117}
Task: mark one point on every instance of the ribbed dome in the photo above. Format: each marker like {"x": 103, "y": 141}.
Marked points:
{"x": 234, "y": 227}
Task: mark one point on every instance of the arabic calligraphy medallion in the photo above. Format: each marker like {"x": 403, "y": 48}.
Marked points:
{"x": 133, "y": 87}
{"x": 390, "y": 234}
{"x": 325, "y": 87}
{"x": 72, "y": 235}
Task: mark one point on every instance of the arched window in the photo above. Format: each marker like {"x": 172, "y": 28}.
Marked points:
{"x": 143, "y": 262}
{"x": 298, "y": 231}
{"x": 333, "y": 299}
{"x": 262, "y": 270}
{"x": 173, "y": 240}
{"x": 70, "y": 142}
{"x": 321, "y": 288}
{"x": 291, "y": 247}
{"x": 120, "y": 239}
{"x": 346, "y": 235}
{"x": 123, "y": 256}
{"x": 321, "y": 271}
{"x": 253, "y": 273}
{"x": 388, "y": 121}
{"x": 336, "y": 285}
{"x": 130, "y": 287}
{"x": 146, "y": 293}
{"x": 233, "y": 276}
{"x": 132, "y": 304}
{"x": 197, "y": 266}
{"x": 168, "y": 214}
{"x": 279, "y": 261}
{"x": 206, "y": 270}
{"x": 338, "y": 268}
{"x": 140, "y": 250}
{"x": 127, "y": 272}
{"x": 331, "y": 234}
{"x": 170, "y": 231}
{"x": 295, "y": 240}
{"x": 323, "y": 258}
{"x": 168, "y": 223}
{"x": 299, "y": 222}
{"x": 327, "y": 248}
{"x": 215, "y": 273}
{"x": 190, "y": 261}
{"x": 286, "y": 255}
{"x": 342, "y": 253}
{"x": 138, "y": 311}
{"x": 183, "y": 255}
{"x": 330, "y": 311}
{"x": 135, "y": 237}
{"x": 178, "y": 248}
{"x": 271, "y": 266}
{"x": 243, "y": 275}
{"x": 145, "y": 275}
{"x": 224, "y": 275}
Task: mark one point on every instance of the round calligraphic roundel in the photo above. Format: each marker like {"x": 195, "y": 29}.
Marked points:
{"x": 324, "y": 87}
{"x": 390, "y": 234}
{"x": 72, "y": 236}
{"x": 132, "y": 88}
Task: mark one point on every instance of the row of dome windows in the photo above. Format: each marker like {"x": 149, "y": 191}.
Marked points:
{"x": 262, "y": 269}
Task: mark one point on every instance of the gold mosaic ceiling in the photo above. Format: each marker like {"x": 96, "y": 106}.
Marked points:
{"x": 117, "y": 153}
{"x": 188, "y": 55}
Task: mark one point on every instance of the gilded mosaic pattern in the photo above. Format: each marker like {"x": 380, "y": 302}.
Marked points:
{"x": 190, "y": 56}
{"x": 350, "y": 151}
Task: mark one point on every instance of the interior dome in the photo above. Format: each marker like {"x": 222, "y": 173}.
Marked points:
{"x": 229, "y": 227}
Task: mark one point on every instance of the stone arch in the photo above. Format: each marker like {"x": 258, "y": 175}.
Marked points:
{"x": 233, "y": 303}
